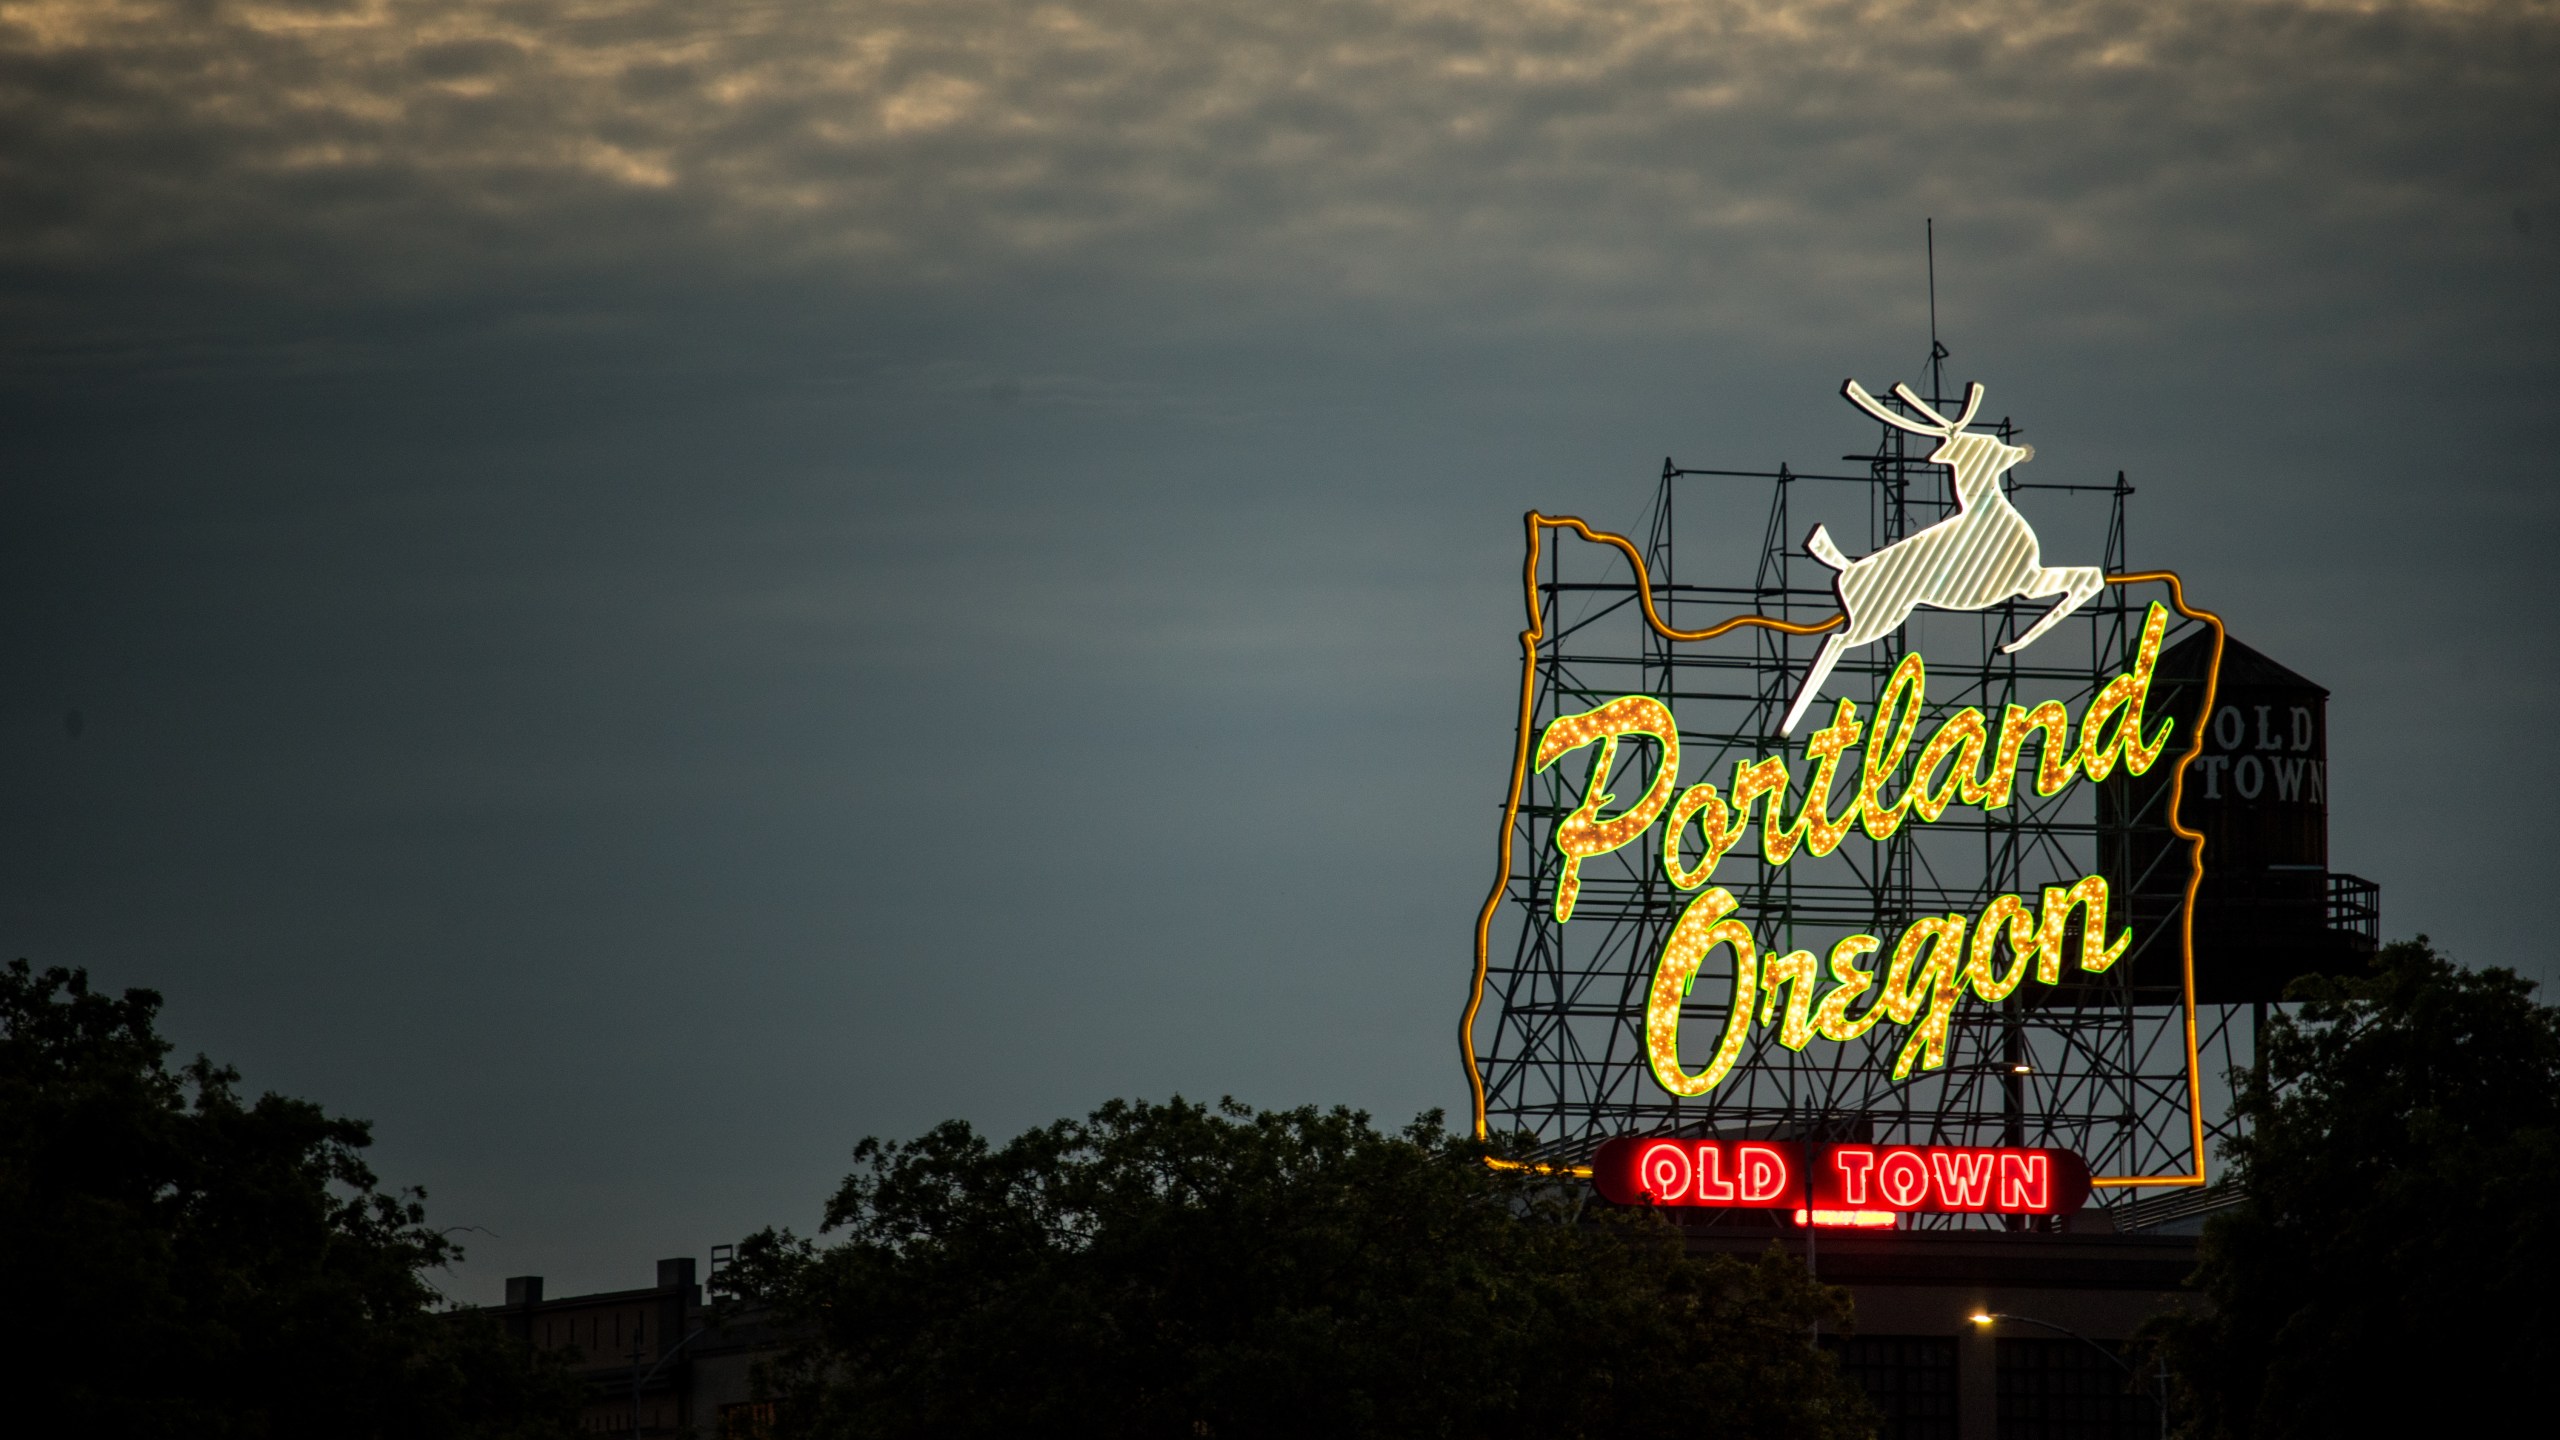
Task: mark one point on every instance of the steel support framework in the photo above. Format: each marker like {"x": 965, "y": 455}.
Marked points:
{"x": 2099, "y": 1065}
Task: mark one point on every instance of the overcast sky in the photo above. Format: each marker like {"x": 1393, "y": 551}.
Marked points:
{"x": 651, "y": 588}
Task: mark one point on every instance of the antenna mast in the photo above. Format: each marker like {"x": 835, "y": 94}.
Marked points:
{"x": 1937, "y": 352}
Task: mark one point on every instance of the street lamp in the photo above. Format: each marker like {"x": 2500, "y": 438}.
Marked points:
{"x": 639, "y": 1379}
{"x": 2159, "y": 1375}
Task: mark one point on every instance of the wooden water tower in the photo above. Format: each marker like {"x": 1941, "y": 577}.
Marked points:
{"x": 2269, "y": 907}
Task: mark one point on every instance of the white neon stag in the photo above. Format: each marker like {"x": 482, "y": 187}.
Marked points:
{"x": 1978, "y": 557}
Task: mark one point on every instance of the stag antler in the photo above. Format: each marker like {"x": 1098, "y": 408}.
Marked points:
{"x": 1944, "y": 427}
{"x": 1972, "y": 402}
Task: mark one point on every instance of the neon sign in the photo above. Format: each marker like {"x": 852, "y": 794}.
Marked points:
{"x": 1840, "y": 1184}
{"x": 1866, "y": 772}
{"x": 1935, "y": 962}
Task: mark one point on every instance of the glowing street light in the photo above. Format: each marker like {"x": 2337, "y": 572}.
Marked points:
{"x": 2160, "y": 1376}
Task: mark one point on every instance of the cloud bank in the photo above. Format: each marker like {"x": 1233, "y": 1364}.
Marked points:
{"x": 1528, "y": 161}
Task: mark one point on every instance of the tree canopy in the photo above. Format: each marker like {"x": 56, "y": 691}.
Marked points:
{"x": 1178, "y": 1270}
{"x": 2393, "y": 1259}
{"x": 181, "y": 1261}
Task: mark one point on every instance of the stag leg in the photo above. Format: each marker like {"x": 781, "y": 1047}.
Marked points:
{"x": 2077, "y": 583}
{"x": 1813, "y": 679}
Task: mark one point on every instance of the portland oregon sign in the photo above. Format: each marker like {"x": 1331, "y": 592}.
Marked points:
{"x": 1842, "y": 868}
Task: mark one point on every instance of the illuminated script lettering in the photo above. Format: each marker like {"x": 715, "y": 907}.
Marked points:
{"x": 1865, "y": 775}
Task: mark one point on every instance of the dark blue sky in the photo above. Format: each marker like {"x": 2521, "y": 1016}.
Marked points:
{"x": 652, "y": 590}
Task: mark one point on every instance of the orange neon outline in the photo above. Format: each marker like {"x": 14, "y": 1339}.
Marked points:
{"x": 1537, "y": 525}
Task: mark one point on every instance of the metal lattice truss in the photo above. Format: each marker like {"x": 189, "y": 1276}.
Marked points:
{"x": 2102, "y": 1065}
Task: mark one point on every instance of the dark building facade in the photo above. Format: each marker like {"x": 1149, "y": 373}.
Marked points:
{"x": 656, "y": 1366}
{"x": 1936, "y": 1373}
{"x": 654, "y": 1362}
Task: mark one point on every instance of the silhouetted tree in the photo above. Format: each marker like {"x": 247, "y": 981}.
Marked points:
{"x": 1169, "y": 1270}
{"x": 2393, "y": 1263}
{"x": 178, "y": 1261}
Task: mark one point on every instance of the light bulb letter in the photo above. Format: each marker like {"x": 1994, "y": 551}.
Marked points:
{"x": 1705, "y": 925}
{"x": 1583, "y": 834}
